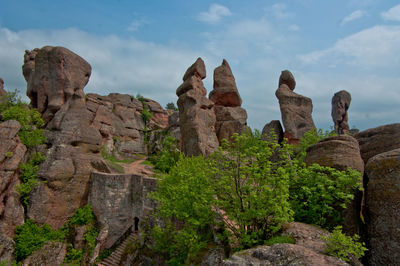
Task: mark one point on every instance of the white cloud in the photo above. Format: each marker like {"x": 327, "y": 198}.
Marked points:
{"x": 214, "y": 14}
{"x": 136, "y": 24}
{"x": 294, "y": 27}
{"x": 280, "y": 11}
{"x": 353, "y": 16}
{"x": 392, "y": 14}
{"x": 378, "y": 46}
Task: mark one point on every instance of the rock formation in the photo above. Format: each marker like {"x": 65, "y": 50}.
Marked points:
{"x": 341, "y": 152}
{"x": 2, "y": 91}
{"x": 383, "y": 206}
{"x": 340, "y": 104}
{"x": 296, "y": 110}
{"x": 120, "y": 202}
{"x": 274, "y": 127}
{"x": 231, "y": 118}
{"x": 378, "y": 140}
{"x": 12, "y": 153}
{"x": 196, "y": 113}
{"x": 52, "y": 253}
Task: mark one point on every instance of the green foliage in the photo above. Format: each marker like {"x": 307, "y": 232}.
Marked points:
{"x": 140, "y": 97}
{"x": 318, "y": 194}
{"x": 28, "y": 177}
{"x": 11, "y": 108}
{"x": 30, "y": 237}
{"x": 73, "y": 256}
{"x": 341, "y": 246}
{"x": 146, "y": 115}
{"x": 83, "y": 216}
{"x": 251, "y": 181}
{"x": 185, "y": 196}
{"x": 9, "y": 154}
{"x": 168, "y": 156}
{"x": 171, "y": 106}
{"x": 279, "y": 240}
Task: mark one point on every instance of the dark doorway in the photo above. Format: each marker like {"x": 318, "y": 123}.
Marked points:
{"x": 136, "y": 224}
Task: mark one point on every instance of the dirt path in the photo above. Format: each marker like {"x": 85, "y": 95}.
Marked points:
{"x": 138, "y": 168}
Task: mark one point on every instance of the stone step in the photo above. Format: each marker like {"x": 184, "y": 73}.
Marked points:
{"x": 115, "y": 258}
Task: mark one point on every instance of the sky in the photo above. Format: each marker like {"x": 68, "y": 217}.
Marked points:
{"x": 144, "y": 47}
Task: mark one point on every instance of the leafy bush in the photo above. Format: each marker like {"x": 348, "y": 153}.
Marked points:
{"x": 279, "y": 240}
{"x": 251, "y": 182}
{"x": 28, "y": 177}
{"x": 171, "y": 106}
{"x": 341, "y": 246}
{"x": 11, "y": 98}
{"x": 318, "y": 194}
{"x": 146, "y": 115}
{"x": 83, "y": 216}
{"x": 185, "y": 196}
{"x": 30, "y": 237}
{"x": 168, "y": 156}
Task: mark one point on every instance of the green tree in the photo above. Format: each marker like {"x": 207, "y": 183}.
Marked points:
{"x": 171, "y": 106}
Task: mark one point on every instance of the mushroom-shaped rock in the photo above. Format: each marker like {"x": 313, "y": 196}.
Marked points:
{"x": 296, "y": 110}
{"x": 340, "y": 104}
{"x": 225, "y": 92}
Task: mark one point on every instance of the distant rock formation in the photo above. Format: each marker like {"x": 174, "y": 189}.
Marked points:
{"x": 340, "y": 104}
{"x": 274, "y": 127}
{"x": 12, "y": 153}
{"x": 383, "y": 203}
{"x": 378, "y": 140}
{"x": 2, "y": 91}
{"x": 296, "y": 110}
{"x": 196, "y": 113}
{"x": 230, "y": 117}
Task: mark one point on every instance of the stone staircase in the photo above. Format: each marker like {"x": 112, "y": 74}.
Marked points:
{"x": 115, "y": 258}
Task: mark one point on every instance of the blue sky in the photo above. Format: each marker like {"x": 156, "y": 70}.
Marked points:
{"x": 146, "y": 46}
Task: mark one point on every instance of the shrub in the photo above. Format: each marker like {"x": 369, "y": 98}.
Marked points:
{"x": 318, "y": 194}
{"x": 171, "y": 106}
{"x": 279, "y": 240}
{"x": 11, "y": 98}
{"x": 341, "y": 246}
{"x": 83, "y": 216}
{"x": 30, "y": 237}
{"x": 168, "y": 156}
{"x": 146, "y": 115}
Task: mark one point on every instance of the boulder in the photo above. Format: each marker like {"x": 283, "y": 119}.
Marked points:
{"x": 281, "y": 254}
{"x": 52, "y": 253}
{"x": 296, "y": 110}
{"x": 341, "y": 152}
{"x": 273, "y": 131}
{"x": 378, "y": 140}
{"x": 340, "y": 104}
{"x": 12, "y": 153}
{"x": 225, "y": 92}
{"x": 196, "y": 116}
{"x": 197, "y": 69}
{"x": 55, "y": 75}
{"x": 383, "y": 208}
{"x": 6, "y": 249}
{"x": 229, "y": 120}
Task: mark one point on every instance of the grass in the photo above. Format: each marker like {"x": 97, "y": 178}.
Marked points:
{"x": 279, "y": 240}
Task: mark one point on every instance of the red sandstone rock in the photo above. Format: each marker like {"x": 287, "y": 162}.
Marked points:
{"x": 229, "y": 120}
{"x": 274, "y": 127}
{"x": 225, "y": 92}
{"x": 2, "y": 91}
{"x": 340, "y": 104}
{"x": 296, "y": 110}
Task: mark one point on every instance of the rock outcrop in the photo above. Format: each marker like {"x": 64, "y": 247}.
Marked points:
{"x": 341, "y": 152}
{"x": 383, "y": 208}
{"x": 12, "y": 153}
{"x": 273, "y": 131}
{"x": 52, "y": 253}
{"x": 378, "y": 140}
{"x": 2, "y": 91}
{"x": 119, "y": 202}
{"x": 340, "y": 104}
{"x": 196, "y": 113}
{"x": 230, "y": 116}
{"x": 296, "y": 110}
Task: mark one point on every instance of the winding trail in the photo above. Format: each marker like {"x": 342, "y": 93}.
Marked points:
{"x": 138, "y": 168}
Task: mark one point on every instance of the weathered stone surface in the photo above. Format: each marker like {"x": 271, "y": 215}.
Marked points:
{"x": 6, "y": 249}
{"x": 281, "y": 254}
{"x": 341, "y": 152}
{"x": 54, "y": 75}
{"x": 197, "y": 69}
{"x": 306, "y": 235}
{"x": 117, "y": 199}
{"x": 378, "y": 140}
{"x": 383, "y": 207}
{"x": 229, "y": 120}
{"x": 197, "y": 121}
{"x": 52, "y": 253}
{"x": 2, "y": 91}
{"x": 225, "y": 92}
{"x": 275, "y": 127}
{"x": 340, "y": 104}
{"x": 296, "y": 110}
{"x": 12, "y": 153}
